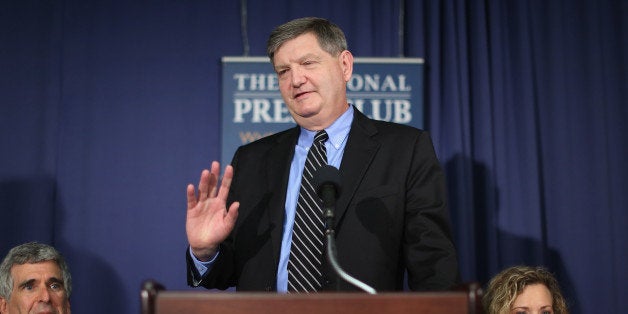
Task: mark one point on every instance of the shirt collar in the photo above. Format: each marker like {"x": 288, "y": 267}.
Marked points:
{"x": 337, "y": 131}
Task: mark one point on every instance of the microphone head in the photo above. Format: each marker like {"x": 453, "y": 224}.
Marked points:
{"x": 327, "y": 176}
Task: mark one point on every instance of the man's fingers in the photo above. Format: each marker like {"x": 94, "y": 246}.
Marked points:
{"x": 213, "y": 179}
{"x": 191, "y": 195}
{"x": 225, "y": 185}
{"x": 203, "y": 185}
{"x": 232, "y": 214}
{"x": 208, "y": 186}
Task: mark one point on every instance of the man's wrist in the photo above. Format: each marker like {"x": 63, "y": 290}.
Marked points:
{"x": 204, "y": 255}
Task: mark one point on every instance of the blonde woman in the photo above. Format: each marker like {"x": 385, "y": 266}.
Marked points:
{"x": 524, "y": 289}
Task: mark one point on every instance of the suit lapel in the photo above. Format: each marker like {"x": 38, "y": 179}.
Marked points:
{"x": 277, "y": 165}
{"x": 357, "y": 158}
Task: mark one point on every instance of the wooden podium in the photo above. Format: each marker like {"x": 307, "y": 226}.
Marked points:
{"x": 156, "y": 300}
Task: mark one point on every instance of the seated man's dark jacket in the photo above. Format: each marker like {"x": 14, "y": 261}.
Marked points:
{"x": 391, "y": 216}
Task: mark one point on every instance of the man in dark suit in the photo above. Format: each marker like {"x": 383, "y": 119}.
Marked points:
{"x": 391, "y": 217}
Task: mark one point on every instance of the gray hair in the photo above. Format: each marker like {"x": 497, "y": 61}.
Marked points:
{"x": 31, "y": 253}
{"x": 330, "y": 36}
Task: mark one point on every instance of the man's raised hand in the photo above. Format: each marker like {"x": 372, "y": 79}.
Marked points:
{"x": 208, "y": 222}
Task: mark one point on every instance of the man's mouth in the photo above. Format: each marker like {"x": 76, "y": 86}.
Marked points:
{"x": 299, "y": 95}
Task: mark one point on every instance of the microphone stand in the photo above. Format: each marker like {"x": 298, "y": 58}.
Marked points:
{"x": 331, "y": 253}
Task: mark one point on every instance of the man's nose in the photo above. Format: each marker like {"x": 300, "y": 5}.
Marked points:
{"x": 44, "y": 294}
{"x": 298, "y": 77}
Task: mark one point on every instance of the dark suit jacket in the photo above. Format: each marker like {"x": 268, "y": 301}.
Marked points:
{"x": 391, "y": 215}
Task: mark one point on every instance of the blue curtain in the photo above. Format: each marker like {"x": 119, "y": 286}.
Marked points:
{"x": 108, "y": 110}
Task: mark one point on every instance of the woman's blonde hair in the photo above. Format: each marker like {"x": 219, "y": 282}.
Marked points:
{"x": 504, "y": 288}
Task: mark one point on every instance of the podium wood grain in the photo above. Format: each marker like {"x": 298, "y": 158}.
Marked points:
{"x": 321, "y": 303}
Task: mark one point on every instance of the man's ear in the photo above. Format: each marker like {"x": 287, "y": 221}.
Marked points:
{"x": 346, "y": 61}
{"x": 3, "y": 305}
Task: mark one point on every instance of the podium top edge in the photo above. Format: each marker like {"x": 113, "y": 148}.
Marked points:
{"x": 321, "y": 295}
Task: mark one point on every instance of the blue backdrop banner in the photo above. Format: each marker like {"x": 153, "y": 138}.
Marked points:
{"x": 389, "y": 89}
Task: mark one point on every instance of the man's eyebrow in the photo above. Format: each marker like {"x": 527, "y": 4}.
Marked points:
{"x": 307, "y": 56}
{"x": 54, "y": 280}
{"x": 26, "y": 283}
{"x": 280, "y": 67}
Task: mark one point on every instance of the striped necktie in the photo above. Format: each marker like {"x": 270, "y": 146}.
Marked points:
{"x": 306, "y": 251}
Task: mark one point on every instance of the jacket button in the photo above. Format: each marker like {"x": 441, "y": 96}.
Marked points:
{"x": 327, "y": 282}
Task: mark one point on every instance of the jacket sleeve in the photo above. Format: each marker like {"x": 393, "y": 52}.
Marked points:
{"x": 219, "y": 277}
{"x": 428, "y": 247}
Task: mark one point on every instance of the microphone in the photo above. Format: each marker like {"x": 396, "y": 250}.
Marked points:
{"x": 327, "y": 184}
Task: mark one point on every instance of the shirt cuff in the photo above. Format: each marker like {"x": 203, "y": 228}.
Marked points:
{"x": 203, "y": 267}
